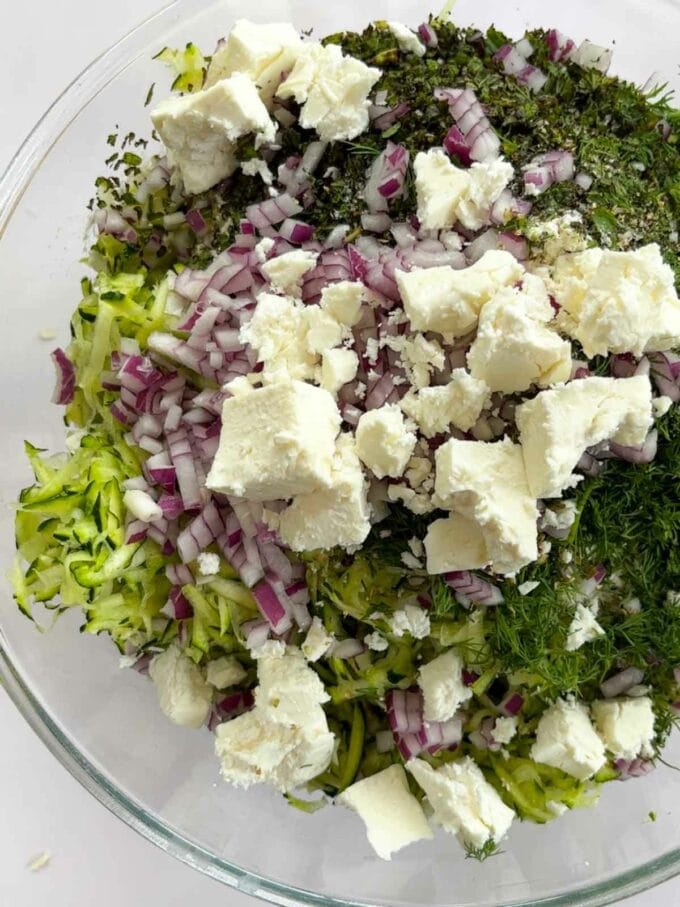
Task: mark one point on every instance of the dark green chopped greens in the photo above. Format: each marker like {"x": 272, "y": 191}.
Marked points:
{"x": 70, "y": 523}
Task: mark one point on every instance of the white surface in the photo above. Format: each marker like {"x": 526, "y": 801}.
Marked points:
{"x": 95, "y": 858}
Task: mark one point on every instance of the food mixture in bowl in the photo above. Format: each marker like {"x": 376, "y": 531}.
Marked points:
{"x": 373, "y": 446}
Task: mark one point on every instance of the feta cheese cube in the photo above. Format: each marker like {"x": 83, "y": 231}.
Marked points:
{"x": 183, "y": 694}
{"x": 285, "y": 272}
{"x": 583, "y": 627}
{"x": 383, "y": 442}
{"x": 200, "y": 129}
{"x": 257, "y": 167}
{"x": 455, "y": 543}
{"x": 338, "y": 367}
{"x": 332, "y": 89}
{"x": 458, "y": 403}
{"x": 323, "y": 331}
{"x": 515, "y": 345}
{"x": 447, "y": 194}
{"x": 418, "y": 356}
{"x": 449, "y": 301}
{"x": 392, "y": 815}
{"x": 566, "y": 739}
{"x": 276, "y": 442}
{"x": 618, "y": 302}
{"x": 411, "y": 619}
{"x": 317, "y": 642}
{"x": 504, "y": 730}
{"x": 343, "y": 301}
{"x": 406, "y": 39}
{"x": 463, "y": 801}
{"x": 626, "y": 726}
{"x": 284, "y": 741}
{"x": 224, "y": 672}
{"x": 338, "y": 514}
{"x": 560, "y": 423}
{"x": 208, "y": 563}
{"x": 376, "y": 642}
{"x": 444, "y": 691}
{"x": 141, "y": 505}
{"x": 487, "y": 483}
{"x": 661, "y": 405}
{"x": 261, "y": 52}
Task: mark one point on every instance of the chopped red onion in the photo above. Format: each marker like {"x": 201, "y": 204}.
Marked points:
{"x": 182, "y": 608}
{"x": 665, "y": 372}
{"x": 514, "y": 244}
{"x": 376, "y": 223}
{"x": 485, "y": 242}
{"x": 229, "y": 707}
{"x": 255, "y": 632}
{"x": 386, "y": 178}
{"x": 622, "y": 682}
{"x": 272, "y": 211}
{"x": 390, "y": 117}
{"x": 472, "y": 137}
{"x": 427, "y": 35}
{"x": 633, "y": 768}
{"x": 65, "y": 386}
{"x": 546, "y": 169}
{"x": 471, "y": 589}
{"x": 195, "y": 220}
{"x": 645, "y": 453}
{"x": 514, "y": 63}
{"x": 560, "y": 47}
{"x": 295, "y": 231}
{"x": 271, "y": 606}
{"x": 511, "y": 705}
{"x": 185, "y": 468}
{"x": 404, "y": 710}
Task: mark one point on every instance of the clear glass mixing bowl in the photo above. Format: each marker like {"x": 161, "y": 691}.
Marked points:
{"x": 103, "y": 723}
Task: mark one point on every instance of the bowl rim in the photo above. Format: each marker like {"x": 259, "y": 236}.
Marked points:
{"x": 16, "y": 178}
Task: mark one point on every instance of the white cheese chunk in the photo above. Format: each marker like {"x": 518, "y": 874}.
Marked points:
{"x": 411, "y": 619}
{"x": 276, "y": 442}
{"x": 317, "y": 641}
{"x": 583, "y": 627}
{"x": 183, "y": 694}
{"x": 618, "y": 302}
{"x": 224, "y": 672}
{"x": 458, "y": 403}
{"x": 284, "y": 741}
{"x": 504, "y": 730}
{"x": 262, "y": 52}
{"x": 376, "y": 642}
{"x": 661, "y": 405}
{"x": 447, "y": 194}
{"x": 285, "y": 272}
{"x": 407, "y": 40}
{"x": 560, "y": 423}
{"x": 392, "y": 815}
{"x": 257, "y": 167}
{"x": 418, "y": 356}
{"x": 444, "y": 691}
{"x": 449, "y": 301}
{"x": 200, "y": 129}
{"x": 515, "y": 345}
{"x": 338, "y": 367}
{"x": 463, "y": 801}
{"x": 278, "y": 333}
{"x": 566, "y": 739}
{"x": 455, "y": 543}
{"x": 625, "y": 725}
{"x": 332, "y": 89}
{"x": 141, "y": 505}
{"x": 487, "y": 483}
{"x": 342, "y": 301}
{"x": 336, "y": 515}
{"x": 383, "y": 442}
{"x": 208, "y": 563}
{"x": 323, "y": 331}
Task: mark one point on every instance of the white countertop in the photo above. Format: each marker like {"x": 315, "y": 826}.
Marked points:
{"x": 95, "y": 858}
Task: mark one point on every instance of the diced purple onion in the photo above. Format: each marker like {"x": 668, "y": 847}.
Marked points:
{"x": 470, "y": 589}
{"x": 427, "y": 35}
{"x": 511, "y": 705}
{"x": 65, "y": 386}
{"x": 272, "y": 608}
{"x": 472, "y": 137}
{"x": 633, "y": 768}
{"x": 622, "y": 682}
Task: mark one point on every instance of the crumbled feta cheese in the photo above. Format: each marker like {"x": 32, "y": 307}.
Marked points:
{"x": 278, "y": 333}
{"x": 383, "y": 442}
{"x": 486, "y": 482}
{"x": 559, "y": 520}
{"x": 449, "y": 301}
{"x": 463, "y": 801}
{"x": 257, "y": 167}
{"x": 338, "y": 367}
{"x": 263, "y": 248}
{"x": 406, "y": 39}
{"x": 270, "y": 648}
{"x": 444, "y": 690}
{"x": 626, "y": 726}
{"x": 141, "y": 505}
{"x": 336, "y": 515}
{"x": 323, "y": 331}
{"x": 262, "y": 52}
{"x": 410, "y": 619}
{"x": 40, "y": 861}
{"x": 343, "y": 301}
{"x": 558, "y": 235}
{"x": 208, "y": 563}
{"x": 392, "y": 815}
{"x": 419, "y": 471}
{"x": 276, "y": 442}
{"x": 317, "y": 642}
{"x": 332, "y": 89}
{"x": 559, "y": 424}
{"x": 583, "y": 627}
{"x": 183, "y": 694}
{"x": 285, "y": 272}
{"x": 566, "y": 739}
{"x": 455, "y": 543}
{"x": 556, "y": 807}
{"x": 199, "y": 130}
{"x": 528, "y": 587}
{"x": 376, "y": 642}
{"x": 447, "y": 194}
{"x": 410, "y": 560}
{"x": 47, "y": 334}
{"x": 416, "y": 546}
{"x": 660, "y": 406}
{"x": 515, "y": 346}
{"x": 224, "y": 672}
{"x": 284, "y": 740}
{"x": 458, "y": 403}
{"x": 617, "y": 302}
{"x": 419, "y": 356}
{"x": 504, "y": 730}
{"x": 415, "y": 501}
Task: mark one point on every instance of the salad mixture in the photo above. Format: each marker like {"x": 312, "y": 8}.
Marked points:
{"x": 373, "y": 445}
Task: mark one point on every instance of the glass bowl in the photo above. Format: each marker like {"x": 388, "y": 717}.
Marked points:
{"x": 104, "y": 724}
